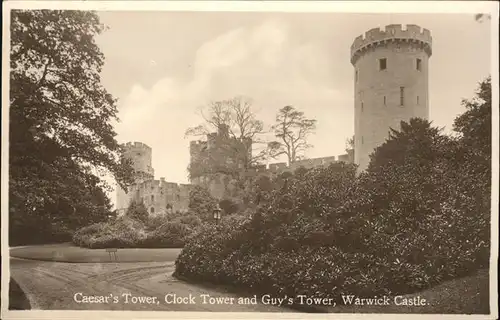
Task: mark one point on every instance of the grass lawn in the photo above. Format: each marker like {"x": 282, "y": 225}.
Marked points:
{"x": 17, "y": 298}
{"x": 69, "y": 253}
{"x": 467, "y": 295}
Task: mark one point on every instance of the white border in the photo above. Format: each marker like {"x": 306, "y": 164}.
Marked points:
{"x": 470, "y": 7}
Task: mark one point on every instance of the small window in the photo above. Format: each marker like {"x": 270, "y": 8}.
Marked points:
{"x": 362, "y": 106}
{"x": 138, "y": 154}
{"x": 356, "y": 76}
{"x": 419, "y": 64}
{"x": 385, "y": 101}
{"x": 402, "y": 96}
{"x": 382, "y": 63}
{"x": 152, "y": 210}
{"x": 152, "y": 198}
{"x": 418, "y": 100}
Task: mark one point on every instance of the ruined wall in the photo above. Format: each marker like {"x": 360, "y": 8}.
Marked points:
{"x": 158, "y": 196}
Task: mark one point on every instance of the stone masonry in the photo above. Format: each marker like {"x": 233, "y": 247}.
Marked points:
{"x": 159, "y": 196}
{"x": 391, "y": 83}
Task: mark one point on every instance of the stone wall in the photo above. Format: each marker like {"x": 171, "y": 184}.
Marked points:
{"x": 159, "y": 196}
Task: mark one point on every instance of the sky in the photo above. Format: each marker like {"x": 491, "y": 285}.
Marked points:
{"x": 164, "y": 66}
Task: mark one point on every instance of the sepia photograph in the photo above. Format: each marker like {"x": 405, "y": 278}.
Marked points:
{"x": 204, "y": 160}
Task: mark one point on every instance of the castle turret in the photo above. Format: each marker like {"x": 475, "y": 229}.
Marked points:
{"x": 391, "y": 83}
{"x": 141, "y": 156}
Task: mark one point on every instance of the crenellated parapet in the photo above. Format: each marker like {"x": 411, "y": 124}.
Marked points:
{"x": 136, "y": 145}
{"x": 391, "y": 33}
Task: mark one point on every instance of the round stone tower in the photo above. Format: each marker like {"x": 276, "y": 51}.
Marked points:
{"x": 141, "y": 156}
{"x": 390, "y": 84}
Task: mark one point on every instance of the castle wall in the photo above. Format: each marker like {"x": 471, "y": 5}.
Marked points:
{"x": 158, "y": 196}
{"x": 384, "y": 98}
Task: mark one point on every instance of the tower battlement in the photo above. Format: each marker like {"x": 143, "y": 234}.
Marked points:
{"x": 391, "y": 33}
{"x": 136, "y": 145}
{"x": 391, "y": 69}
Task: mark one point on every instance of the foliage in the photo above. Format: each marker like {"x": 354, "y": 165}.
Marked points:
{"x": 474, "y": 128}
{"x": 417, "y": 143}
{"x": 228, "y": 206}
{"x": 291, "y": 129}
{"x": 410, "y": 222}
{"x": 124, "y": 232}
{"x": 61, "y": 139}
{"x": 168, "y": 235}
{"x": 201, "y": 202}
{"x": 161, "y": 231}
{"x": 138, "y": 211}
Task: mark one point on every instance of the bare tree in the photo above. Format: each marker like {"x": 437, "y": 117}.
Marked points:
{"x": 291, "y": 129}
{"x": 239, "y": 143}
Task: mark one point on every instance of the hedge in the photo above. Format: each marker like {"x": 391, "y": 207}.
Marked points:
{"x": 126, "y": 232}
{"x": 328, "y": 232}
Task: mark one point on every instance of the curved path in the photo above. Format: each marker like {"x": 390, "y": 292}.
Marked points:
{"x": 53, "y": 285}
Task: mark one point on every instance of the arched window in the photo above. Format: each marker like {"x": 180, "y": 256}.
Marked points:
{"x": 152, "y": 198}
{"x": 152, "y": 210}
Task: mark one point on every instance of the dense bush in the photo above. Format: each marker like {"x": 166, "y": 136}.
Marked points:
{"x": 123, "y": 232}
{"x": 161, "y": 231}
{"x": 419, "y": 216}
{"x": 168, "y": 235}
{"x": 138, "y": 211}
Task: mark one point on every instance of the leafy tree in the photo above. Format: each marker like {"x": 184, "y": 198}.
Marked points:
{"x": 138, "y": 211}
{"x": 291, "y": 129}
{"x": 61, "y": 138}
{"x": 417, "y": 143}
{"x": 472, "y": 158}
{"x": 474, "y": 127}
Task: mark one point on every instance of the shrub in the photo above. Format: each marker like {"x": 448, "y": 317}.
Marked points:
{"x": 137, "y": 211}
{"x": 160, "y": 231}
{"x": 412, "y": 221}
{"x": 123, "y": 232}
{"x": 168, "y": 235}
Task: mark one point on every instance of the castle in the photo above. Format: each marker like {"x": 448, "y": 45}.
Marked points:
{"x": 159, "y": 196}
{"x": 215, "y": 161}
{"x": 390, "y": 85}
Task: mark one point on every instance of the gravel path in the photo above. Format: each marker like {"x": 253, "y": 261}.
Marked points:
{"x": 53, "y": 285}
